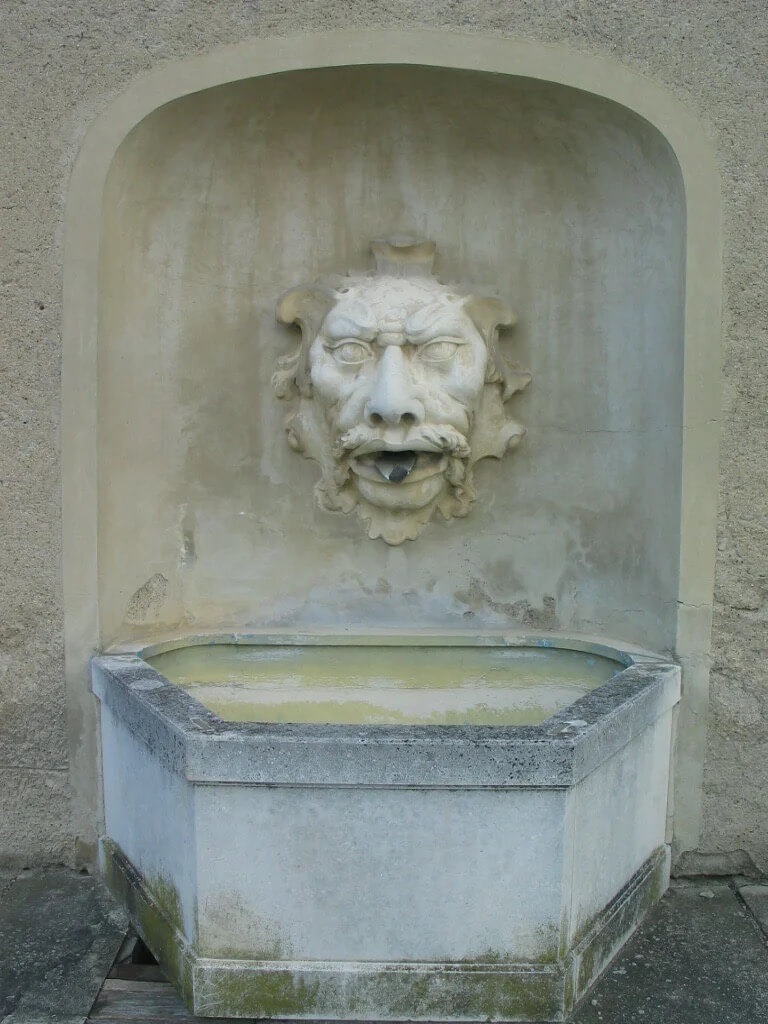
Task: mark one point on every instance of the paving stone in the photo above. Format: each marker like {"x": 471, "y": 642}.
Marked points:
{"x": 696, "y": 960}
{"x": 756, "y": 898}
{"x": 59, "y": 933}
{"x": 7, "y": 878}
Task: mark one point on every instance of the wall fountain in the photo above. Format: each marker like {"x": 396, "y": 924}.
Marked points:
{"x": 369, "y": 750}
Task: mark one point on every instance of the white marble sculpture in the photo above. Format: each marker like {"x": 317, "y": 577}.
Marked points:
{"x": 398, "y": 389}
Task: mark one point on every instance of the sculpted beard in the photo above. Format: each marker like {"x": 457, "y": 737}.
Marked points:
{"x": 425, "y": 452}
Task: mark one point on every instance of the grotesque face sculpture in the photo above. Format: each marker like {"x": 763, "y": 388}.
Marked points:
{"x": 398, "y": 388}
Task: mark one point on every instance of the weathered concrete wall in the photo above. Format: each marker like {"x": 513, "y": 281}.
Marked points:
{"x": 64, "y": 64}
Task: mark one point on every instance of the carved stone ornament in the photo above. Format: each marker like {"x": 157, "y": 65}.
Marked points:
{"x": 398, "y": 389}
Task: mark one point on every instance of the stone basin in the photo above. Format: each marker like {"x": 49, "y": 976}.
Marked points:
{"x": 439, "y": 827}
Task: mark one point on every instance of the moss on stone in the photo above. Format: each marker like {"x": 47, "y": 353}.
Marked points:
{"x": 266, "y": 993}
{"x": 155, "y": 909}
{"x": 164, "y": 935}
{"x": 645, "y": 891}
{"x": 492, "y": 995}
{"x": 522, "y": 997}
{"x": 600, "y": 938}
{"x": 547, "y": 947}
{"x": 492, "y": 986}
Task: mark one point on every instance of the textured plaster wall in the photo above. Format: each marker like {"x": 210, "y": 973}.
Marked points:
{"x": 62, "y": 66}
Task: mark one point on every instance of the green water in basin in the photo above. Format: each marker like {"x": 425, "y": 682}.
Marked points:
{"x": 381, "y": 685}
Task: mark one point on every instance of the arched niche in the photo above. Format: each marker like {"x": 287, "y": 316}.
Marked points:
{"x": 578, "y": 190}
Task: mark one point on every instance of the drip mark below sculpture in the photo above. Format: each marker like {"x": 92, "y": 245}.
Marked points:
{"x": 398, "y": 389}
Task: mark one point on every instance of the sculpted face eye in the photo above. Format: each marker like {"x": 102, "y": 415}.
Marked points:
{"x": 439, "y": 351}
{"x": 351, "y": 352}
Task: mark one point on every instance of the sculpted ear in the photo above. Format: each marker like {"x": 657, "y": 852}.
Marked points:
{"x": 490, "y": 315}
{"x": 306, "y": 306}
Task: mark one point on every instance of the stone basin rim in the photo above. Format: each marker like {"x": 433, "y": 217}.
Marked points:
{"x": 557, "y": 752}
{"x": 626, "y": 654}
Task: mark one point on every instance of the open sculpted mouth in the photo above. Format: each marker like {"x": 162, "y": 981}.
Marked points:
{"x": 396, "y": 466}
{"x": 404, "y": 460}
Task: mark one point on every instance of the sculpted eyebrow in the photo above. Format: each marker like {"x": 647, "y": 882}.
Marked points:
{"x": 439, "y": 329}
{"x": 339, "y": 326}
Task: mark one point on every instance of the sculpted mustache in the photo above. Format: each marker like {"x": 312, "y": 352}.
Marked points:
{"x": 361, "y": 440}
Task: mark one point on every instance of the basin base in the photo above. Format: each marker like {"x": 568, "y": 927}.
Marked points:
{"x": 394, "y": 873}
{"x": 361, "y": 990}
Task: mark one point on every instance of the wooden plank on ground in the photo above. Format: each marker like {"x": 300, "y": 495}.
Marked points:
{"x": 149, "y": 1002}
{"x": 146, "y": 1001}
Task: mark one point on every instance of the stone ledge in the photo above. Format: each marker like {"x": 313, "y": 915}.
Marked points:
{"x": 195, "y": 743}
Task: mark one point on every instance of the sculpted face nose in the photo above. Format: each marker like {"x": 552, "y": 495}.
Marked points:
{"x": 392, "y": 401}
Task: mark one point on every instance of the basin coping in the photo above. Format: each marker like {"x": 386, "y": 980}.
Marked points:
{"x": 194, "y": 742}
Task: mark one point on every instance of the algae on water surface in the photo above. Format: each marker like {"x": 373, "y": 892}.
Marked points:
{"x": 383, "y": 685}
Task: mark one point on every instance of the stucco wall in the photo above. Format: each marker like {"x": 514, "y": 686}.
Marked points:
{"x": 63, "y": 65}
